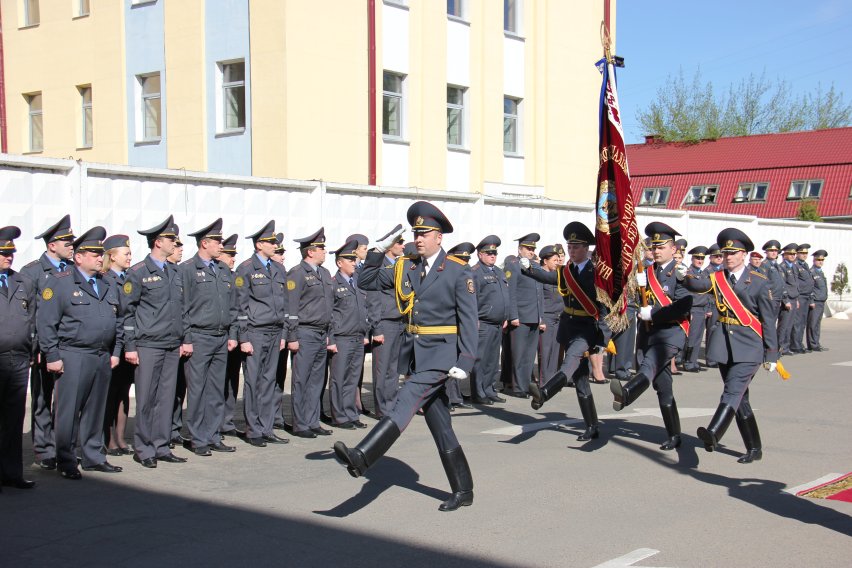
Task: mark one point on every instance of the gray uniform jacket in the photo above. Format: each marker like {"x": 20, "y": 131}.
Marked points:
{"x": 776, "y": 278}
{"x": 381, "y": 304}
{"x": 208, "y": 299}
{"x": 38, "y": 271}
{"x": 446, "y": 297}
{"x": 665, "y": 327}
{"x": 806, "y": 281}
{"x": 820, "y": 285}
{"x": 791, "y": 280}
{"x": 525, "y": 296}
{"x": 262, "y": 298}
{"x": 699, "y": 299}
{"x": 152, "y": 306}
{"x": 349, "y": 317}
{"x": 311, "y": 295}
{"x": 492, "y": 293}
{"x": 17, "y": 312}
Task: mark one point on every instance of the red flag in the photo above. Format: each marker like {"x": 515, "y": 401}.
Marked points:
{"x": 616, "y": 234}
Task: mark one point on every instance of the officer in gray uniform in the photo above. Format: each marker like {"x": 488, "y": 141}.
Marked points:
{"x": 264, "y": 329}
{"x": 346, "y": 339}
{"x": 548, "y": 346}
{"x": 17, "y": 312}
{"x": 152, "y": 304}
{"x": 582, "y": 329}
{"x": 817, "y": 307}
{"x": 698, "y": 314}
{"x": 80, "y": 334}
{"x": 525, "y": 312}
{"x": 786, "y": 320}
{"x": 235, "y": 359}
{"x": 57, "y": 258}
{"x": 386, "y": 329}
{"x": 311, "y": 303}
{"x": 438, "y": 295}
{"x": 737, "y": 341}
{"x": 283, "y": 357}
{"x": 209, "y": 333}
{"x": 806, "y": 292}
{"x": 492, "y": 301}
{"x": 461, "y": 251}
{"x": 773, "y": 271}
{"x": 662, "y": 331}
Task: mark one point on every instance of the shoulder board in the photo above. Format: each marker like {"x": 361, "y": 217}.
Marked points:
{"x": 246, "y": 262}
{"x": 457, "y": 260}
{"x": 138, "y": 265}
{"x": 61, "y": 274}
{"x": 475, "y": 267}
{"x": 190, "y": 261}
{"x": 759, "y": 274}
{"x": 33, "y": 263}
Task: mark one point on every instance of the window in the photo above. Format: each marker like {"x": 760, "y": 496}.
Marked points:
{"x": 392, "y": 105}
{"x": 397, "y": 2}
{"x": 701, "y": 195}
{"x": 751, "y": 192}
{"x": 83, "y": 8}
{"x": 233, "y": 96}
{"x": 512, "y": 16}
{"x": 31, "y": 13}
{"x": 150, "y": 106}
{"x": 87, "y": 137}
{"x": 653, "y": 196}
{"x": 805, "y": 189}
{"x": 456, "y": 117}
{"x": 511, "y": 125}
{"x": 35, "y": 122}
{"x": 455, "y": 8}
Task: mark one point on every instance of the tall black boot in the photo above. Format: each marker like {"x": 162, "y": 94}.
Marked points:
{"x": 461, "y": 481}
{"x": 590, "y": 417}
{"x": 540, "y": 395}
{"x": 751, "y": 438}
{"x": 626, "y": 394}
{"x": 671, "y": 419}
{"x": 714, "y": 432}
{"x": 370, "y": 449}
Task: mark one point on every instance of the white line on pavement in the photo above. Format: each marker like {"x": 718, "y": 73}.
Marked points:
{"x": 629, "y": 559}
{"x": 843, "y": 364}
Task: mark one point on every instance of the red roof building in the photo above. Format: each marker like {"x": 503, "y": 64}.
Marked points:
{"x": 765, "y": 175}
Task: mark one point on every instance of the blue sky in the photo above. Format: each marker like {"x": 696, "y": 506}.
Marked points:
{"x": 805, "y": 42}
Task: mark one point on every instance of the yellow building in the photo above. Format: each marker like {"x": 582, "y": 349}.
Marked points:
{"x": 486, "y": 96}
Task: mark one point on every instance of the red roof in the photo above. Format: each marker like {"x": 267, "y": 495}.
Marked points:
{"x": 777, "y": 159}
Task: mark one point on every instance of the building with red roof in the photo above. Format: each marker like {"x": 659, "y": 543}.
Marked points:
{"x": 765, "y": 175}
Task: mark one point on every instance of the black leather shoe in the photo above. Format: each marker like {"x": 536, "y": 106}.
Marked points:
{"x": 234, "y": 433}
{"x": 497, "y": 398}
{"x": 114, "y": 452}
{"x": 203, "y": 451}
{"x": 464, "y": 405}
{"x": 19, "y": 483}
{"x": 483, "y": 401}
{"x": 105, "y": 467}
{"x": 320, "y": 431}
{"x": 691, "y": 368}
{"x": 456, "y": 500}
{"x": 325, "y": 418}
{"x": 712, "y": 365}
{"x": 359, "y": 424}
{"x": 345, "y": 426}
{"x": 256, "y": 442}
{"x": 126, "y": 451}
{"x": 220, "y": 447}
{"x": 279, "y": 426}
{"x": 305, "y": 434}
{"x": 150, "y": 463}
{"x": 274, "y": 439}
{"x": 171, "y": 458}
{"x": 751, "y": 456}
{"x": 591, "y": 433}
{"x": 369, "y": 413}
{"x": 672, "y": 443}
{"x": 49, "y": 463}
{"x": 72, "y": 474}
{"x": 517, "y": 394}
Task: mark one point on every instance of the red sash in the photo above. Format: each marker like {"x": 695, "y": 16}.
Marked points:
{"x": 746, "y": 317}
{"x": 664, "y": 300}
{"x": 578, "y": 292}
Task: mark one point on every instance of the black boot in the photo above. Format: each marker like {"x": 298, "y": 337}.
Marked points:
{"x": 540, "y": 395}
{"x": 751, "y": 439}
{"x": 626, "y": 394}
{"x": 714, "y": 432}
{"x": 672, "y": 421}
{"x": 370, "y": 449}
{"x": 461, "y": 481}
{"x": 590, "y": 417}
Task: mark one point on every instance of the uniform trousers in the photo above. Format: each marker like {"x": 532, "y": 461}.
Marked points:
{"x": 485, "y": 370}
{"x": 625, "y": 347}
{"x": 524, "y": 343}
{"x": 697, "y": 324}
{"x": 118, "y": 394}
{"x": 785, "y": 326}
{"x": 815, "y": 324}
{"x": 709, "y": 323}
{"x": 385, "y": 365}
{"x": 280, "y": 379}
{"x": 309, "y": 364}
{"x": 41, "y": 392}
{"x": 426, "y": 390}
{"x": 656, "y": 367}
{"x": 345, "y": 369}
{"x": 14, "y": 371}
{"x": 232, "y": 389}
{"x": 548, "y": 351}
{"x": 800, "y": 321}
{"x": 737, "y": 378}
{"x": 156, "y": 377}
{"x": 454, "y": 393}
{"x": 205, "y": 384}
{"x": 180, "y": 397}
{"x": 259, "y": 370}
{"x": 574, "y": 361}
{"x": 81, "y": 392}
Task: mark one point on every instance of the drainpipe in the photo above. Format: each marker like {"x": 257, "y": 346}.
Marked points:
{"x": 371, "y": 88}
{"x": 2, "y": 93}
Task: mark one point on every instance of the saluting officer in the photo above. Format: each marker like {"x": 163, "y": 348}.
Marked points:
{"x": 663, "y": 331}
{"x": 744, "y": 299}
{"x": 525, "y": 311}
{"x": 80, "y": 333}
{"x": 698, "y": 314}
{"x": 58, "y": 239}
{"x": 582, "y": 329}
{"x": 492, "y": 301}
{"x": 264, "y": 329}
{"x": 17, "y": 311}
{"x": 235, "y": 359}
{"x": 806, "y": 291}
{"x": 152, "y": 303}
{"x": 209, "y": 333}
{"x": 438, "y": 295}
{"x": 461, "y": 251}
{"x": 817, "y": 307}
{"x": 311, "y": 304}
{"x": 386, "y": 328}
{"x": 786, "y": 321}
{"x": 548, "y": 346}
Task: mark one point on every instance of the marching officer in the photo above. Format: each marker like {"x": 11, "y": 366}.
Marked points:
{"x": 817, "y": 307}
{"x": 461, "y": 251}
{"x": 525, "y": 311}
{"x": 806, "y": 291}
{"x": 152, "y": 304}
{"x": 209, "y": 299}
{"x": 790, "y": 270}
{"x": 548, "y": 346}
{"x": 438, "y": 295}
{"x": 80, "y": 334}
{"x": 17, "y": 310}
{"x": 264, "y": 329}
{"x": 58, "y": 240}
{"x": 582, "y": 329}
{"x": 744, "y": 300}
{"x": 492, "y": 300}
{"x": 698, "y": 313}
{"x": 663, "y": 331}
{"x": 235, "y": 360}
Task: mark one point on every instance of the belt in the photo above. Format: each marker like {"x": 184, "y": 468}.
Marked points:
{"x": 729, "y": 321}
{"x": 577, "y": 313}
{"x": 432, "y": 329}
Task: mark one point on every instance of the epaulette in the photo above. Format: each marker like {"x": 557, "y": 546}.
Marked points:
{"x": 187, "y": 261}
{"x": 457, "y": 260}
{"x": 475, "y": 267}
{"x": 33, "y": 263}
{"x": 760, "y": 274}
{"x": 137, "y": 266}
{"x": 64, "y": 274}
{"x": 245, "y": 263}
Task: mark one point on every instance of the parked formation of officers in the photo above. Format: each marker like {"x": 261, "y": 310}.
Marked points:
{"x": 83, "y": 323}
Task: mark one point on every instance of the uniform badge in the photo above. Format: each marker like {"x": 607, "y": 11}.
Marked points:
{"x": 238, "y": 281}
{"x": 47, "y": 294}
{"x": 508, "y": 274}
{"x": 128, "y": 288}
{"x": 418, "y": 221}
{"x": 729, "y": 244}
{"x": 470, "y": 287}
{"x": 77, "y": 293}
{"x": 291, "y": 285}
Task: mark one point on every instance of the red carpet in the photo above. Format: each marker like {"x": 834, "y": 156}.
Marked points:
{"x": 839, "y": 489}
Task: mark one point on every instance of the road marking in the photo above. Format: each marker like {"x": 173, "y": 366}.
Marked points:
{"x": 629, "y": 559}
{"x": 534, "y": 426}
{"x": 843, "y": 364}
{"x": 812, "y": 484}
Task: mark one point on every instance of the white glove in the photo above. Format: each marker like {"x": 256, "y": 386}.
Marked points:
{"x": 680, "y": 270}
{"x": 770, "y": 367}
{"x": 525, "y": 263}
{"x": 645, "y": 313}
{"x": 641, "y": 279}
{"x": 387, "y": 242}
{"x": 456, "y": 373}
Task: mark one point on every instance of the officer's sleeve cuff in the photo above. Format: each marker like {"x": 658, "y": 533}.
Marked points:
{"x": 52, "y": 357}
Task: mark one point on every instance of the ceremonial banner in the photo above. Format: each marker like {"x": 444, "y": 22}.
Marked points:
{"x": 616, "y": 234}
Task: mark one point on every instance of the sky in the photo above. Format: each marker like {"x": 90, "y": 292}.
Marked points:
{"x": 805, "y": 42}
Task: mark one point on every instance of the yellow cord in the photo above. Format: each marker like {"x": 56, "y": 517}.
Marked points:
{"x": 560, "y": 286}
{"x": 721, "y": 306}
{"x": 402, "y": 297}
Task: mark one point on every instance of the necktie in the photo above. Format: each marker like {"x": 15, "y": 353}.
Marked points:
{"x": 425, "y": 269}
{"x": 733, "y": 279}
{"x": 62, "y": 265}
{"x": 3, "y": 287}
{"x": 269, "y": 266}
{"x": 121, "y": 276}
{"x": 574, "y": 271}
{"x": 212, "y": 266}
{"x": 351, "y": 285}
{"x": 94, "y": 286}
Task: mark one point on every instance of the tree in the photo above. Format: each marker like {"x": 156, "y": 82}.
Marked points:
{"x": 840, "y": 281}
{"x": 808, "y": 211}
{"x": 690, "y": 111}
